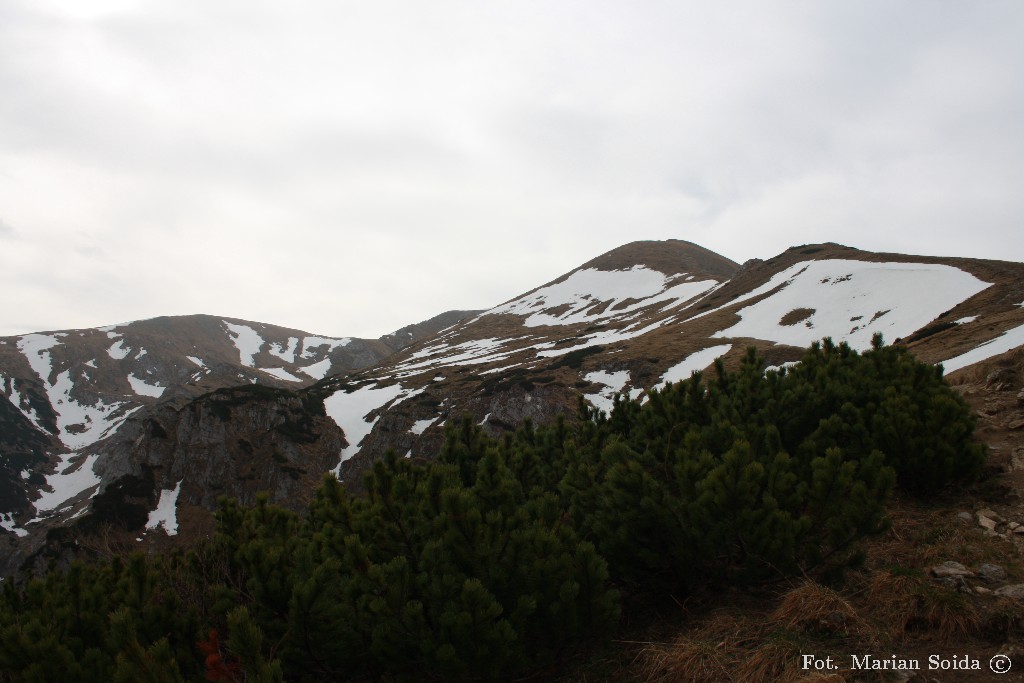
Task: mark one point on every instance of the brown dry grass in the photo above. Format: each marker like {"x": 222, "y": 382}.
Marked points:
{"x": 905, "y": 602}
{"x": 811, "y": 607}
{"x": 686, "y": 660}
{"x": 706, "y": 653}
{"x": 777, "y": 659}
{"x": 797, "y": 315}
{"x": 892, "y": 599}
{"x": 748, "y": 647}
{"x": 949, "y": 614}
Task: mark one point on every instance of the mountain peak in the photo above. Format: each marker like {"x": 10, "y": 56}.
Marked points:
{"x": 669, "y": 257}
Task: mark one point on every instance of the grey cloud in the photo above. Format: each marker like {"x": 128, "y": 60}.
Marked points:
{"x": 319, "y": 140}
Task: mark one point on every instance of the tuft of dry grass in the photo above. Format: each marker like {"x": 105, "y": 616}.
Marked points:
{"x": 906, "y": 601}
{"x": 811, "y": 607}
{"x": 686, "y": 660}
{"x": 730, "y": 648}
{"x": 893, "y": 597}
{"x": 707, "y": 652}
{"x": 949, "y": 613}
{"x": 777, "y": 659}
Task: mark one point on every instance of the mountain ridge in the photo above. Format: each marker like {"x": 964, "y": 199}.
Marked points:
{"x": 623, "y": 323}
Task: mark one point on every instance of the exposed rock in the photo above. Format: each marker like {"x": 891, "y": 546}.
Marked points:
{"x": 966, "y": 516}
{"x": 991, "y": 572}
{"x": 950, "y": 568}
{"x": 957, "y": 583}
{"x": 233, "y": 442}
{"x": 1002, "y": 379}
{"x": 994, "y": 516}
{"x": 986, "y": 523}
{"x": 1013, "y": 591}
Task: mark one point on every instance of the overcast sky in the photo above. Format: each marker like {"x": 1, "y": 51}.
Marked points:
{"x": 347, "y": 168}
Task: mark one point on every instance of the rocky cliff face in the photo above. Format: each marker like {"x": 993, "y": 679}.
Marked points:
{"x": 232, "y": 442}
{"x": 73, "y": 401}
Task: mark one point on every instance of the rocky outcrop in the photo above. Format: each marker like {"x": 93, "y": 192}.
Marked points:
{"x": 233, "y": 442}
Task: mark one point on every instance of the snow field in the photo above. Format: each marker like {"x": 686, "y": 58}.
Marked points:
{"x": 592, "y": 295}
{"x": 246, "y": 340}
{"x": 420, "y": 426}
{"x": 473, "y": 352}
{"x": 140, "y": 387}
{"x": 614, "y": 383}
{"x": 78, "y": 425}
{"x": 118, "y": 351}
{"x": 1007, "y": 341}
{"x": 285, "y": 353}
{"x": 851, "y": 301}
{"x": 166, "y": 512}
{"x": 7, "y": 522}
{"x": 317, "y": 370}
{"x": 281, "y": 373}
{"x": 310, "y": 344}
{"x": 65, "y": 485}
{"x": 603, "y": 337}
{"x": 349, "y": 410}
{"x": 22, "y": 404}
{"x": 249, "y": 343}
{"x": 692, "y": 363}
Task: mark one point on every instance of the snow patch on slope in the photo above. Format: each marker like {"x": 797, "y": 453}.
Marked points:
{"x": 694, "y": 362}
{"x": 1007, "y": 341}
{"x": 614, "y": 383}
{"x": 420, "y": 426}
{"x": 589, "y": 295}
{"x": 67, "y": 482}
{"x": 246, "y": 340}
{"x": 35, "y": 348}
{"x": 852, "y": 300}
{"x": 310, "y": 344}
{"x": 118, "y": 351}
{"x": 20, "y": 402}
{"x": 140, "y": 387}
{"x": 166, "y": 512}
{"x": 350, "y": 411}
{"x": 472, "y": 352}
{"x": 603, "y": 337}
{"x": 281, "y": 373}
{"x": 78, "y": 424}
{"x": 317, "y": 370}
{"x": 285, "y": 353}
{"x": 7, "y": 522}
